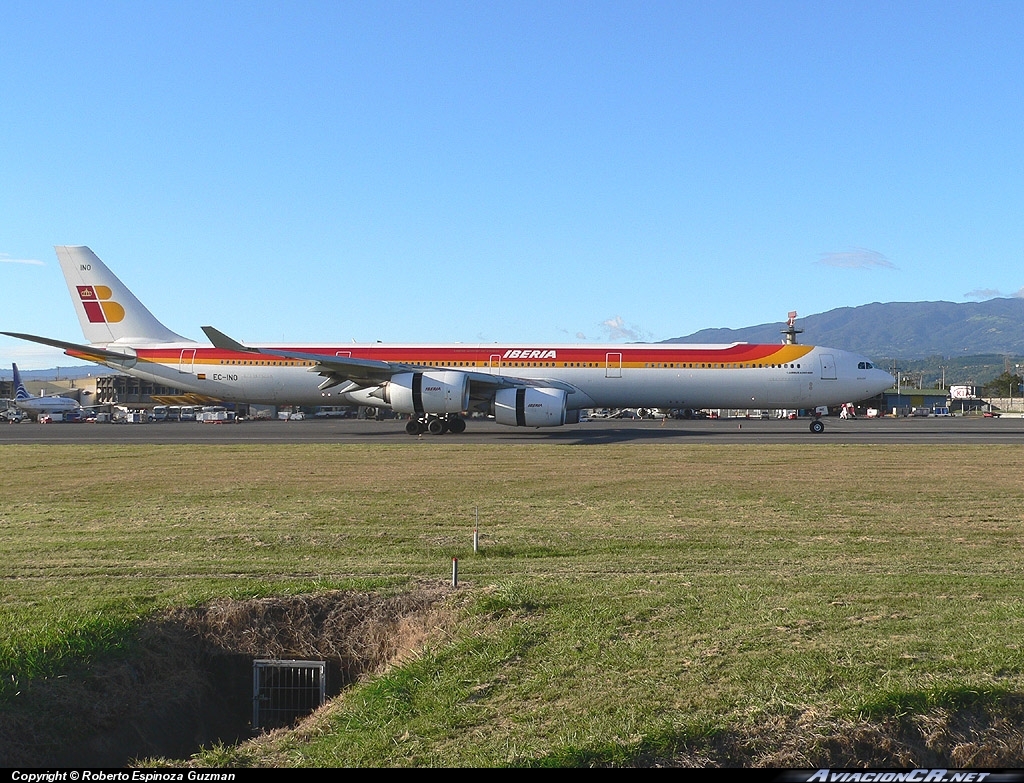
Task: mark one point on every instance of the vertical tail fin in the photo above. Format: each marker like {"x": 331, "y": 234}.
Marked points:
{"x": 20, "y": 392}
{"x": 107, "y": 310}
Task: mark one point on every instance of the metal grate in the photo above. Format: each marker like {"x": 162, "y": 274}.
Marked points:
{"x": 284, "y": 691}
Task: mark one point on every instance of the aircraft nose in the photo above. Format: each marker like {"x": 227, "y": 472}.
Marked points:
{"x": 879, "y": 379}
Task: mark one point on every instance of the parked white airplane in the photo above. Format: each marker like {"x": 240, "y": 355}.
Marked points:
{"x": 42, "y": 404}
{"x": 521, "y": 385}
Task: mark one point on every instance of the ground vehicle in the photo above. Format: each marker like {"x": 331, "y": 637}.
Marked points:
{"x": 335, "y": 412}
{"x": 212, "y": 414}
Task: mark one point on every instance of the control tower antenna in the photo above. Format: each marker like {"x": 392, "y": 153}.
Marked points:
{"x": 791, "y": 331}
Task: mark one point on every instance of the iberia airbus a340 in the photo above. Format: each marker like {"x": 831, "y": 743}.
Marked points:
{"x": 520, "y": 385}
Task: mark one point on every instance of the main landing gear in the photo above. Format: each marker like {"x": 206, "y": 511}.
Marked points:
{"x": 436, "y": 425}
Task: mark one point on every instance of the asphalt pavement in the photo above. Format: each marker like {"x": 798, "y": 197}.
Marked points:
{"x": 946, "y": 430}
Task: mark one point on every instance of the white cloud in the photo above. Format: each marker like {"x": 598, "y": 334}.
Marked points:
{"x": 858, "y": 258}
{"x": 983, "y": 293}
{"x": 617, "y": 329}
{"x": 6, "y": 259}
{"x": 578, "y": 335}
{"x": 29, "y": 356}
{"x": 992, "y": 293}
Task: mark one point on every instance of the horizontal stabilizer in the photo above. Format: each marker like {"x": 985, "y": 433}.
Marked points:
{"x": 86, "y": 351}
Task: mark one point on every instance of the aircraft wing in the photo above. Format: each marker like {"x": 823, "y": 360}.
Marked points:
{"x": 337, "y": 370}
{"x": 486, "y": 381}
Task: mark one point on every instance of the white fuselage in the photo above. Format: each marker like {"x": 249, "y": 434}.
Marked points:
{"x": 738, "y": 375}
{"x": 37, "y": 405}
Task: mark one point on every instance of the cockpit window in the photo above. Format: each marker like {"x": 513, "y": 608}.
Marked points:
{"x": 865, "y": 366}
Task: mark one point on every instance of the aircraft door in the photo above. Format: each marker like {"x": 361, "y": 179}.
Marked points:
{"x": 187, "y": 361}
{"x": 613, "y": 365}
{"x": 495, "y": 364}
{"x": 828, "y": 367}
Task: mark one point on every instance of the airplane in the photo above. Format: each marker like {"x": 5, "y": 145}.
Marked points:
{"x": 437, "y": 385}
{"x": 42, "y": 404}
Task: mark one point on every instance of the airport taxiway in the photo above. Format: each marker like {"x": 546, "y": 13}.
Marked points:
{"x": 952, "y": 430}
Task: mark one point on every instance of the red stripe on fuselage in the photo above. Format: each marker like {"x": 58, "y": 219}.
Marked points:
{"x": 481, "y": 356}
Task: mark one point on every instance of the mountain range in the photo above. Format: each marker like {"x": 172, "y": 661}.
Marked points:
{"x": 898, "y": 330}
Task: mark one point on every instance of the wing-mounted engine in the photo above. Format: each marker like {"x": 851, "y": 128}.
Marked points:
{"x": 445, "y": 391}
{"x": 530, "y": 407}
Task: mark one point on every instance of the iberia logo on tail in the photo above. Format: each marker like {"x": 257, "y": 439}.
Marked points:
{"x": 99, "y": 307}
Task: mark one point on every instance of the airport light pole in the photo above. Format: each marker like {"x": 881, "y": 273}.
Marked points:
{"x": 896, "y": 372}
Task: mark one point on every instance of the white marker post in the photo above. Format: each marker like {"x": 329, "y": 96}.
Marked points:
{"x": 455, "y": 572}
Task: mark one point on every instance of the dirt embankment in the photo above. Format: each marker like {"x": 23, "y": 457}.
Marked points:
{"x": 188, "y": 682}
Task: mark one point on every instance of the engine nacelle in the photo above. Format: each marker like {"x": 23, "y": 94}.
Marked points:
{"x": 530, "y": 407}
{"x": 445, "y": 391}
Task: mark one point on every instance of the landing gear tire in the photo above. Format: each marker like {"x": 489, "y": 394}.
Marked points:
{"x": 817, "y": 427}
{"x": 436, "y": 425}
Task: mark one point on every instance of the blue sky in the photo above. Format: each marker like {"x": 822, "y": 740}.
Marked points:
{"x": 510, "y": 171}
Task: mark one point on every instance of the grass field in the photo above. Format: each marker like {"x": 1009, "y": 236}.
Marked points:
{"x": 630, "y": 605}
